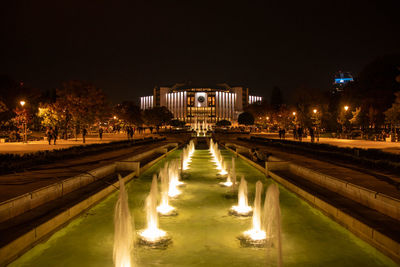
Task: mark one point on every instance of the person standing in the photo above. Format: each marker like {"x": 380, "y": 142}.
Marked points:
{"x": 101, "y": 133}
{"x": 49, "y": 134}
{"x": 311, "y": 130}
{"x": 128, "y": 132}
{"x": 84, "y": 133}
{"x": 300, "y": 133}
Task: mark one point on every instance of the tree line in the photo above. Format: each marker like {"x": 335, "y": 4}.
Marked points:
{"x": 370, "y": 104}
{"x": 70, "y": 108}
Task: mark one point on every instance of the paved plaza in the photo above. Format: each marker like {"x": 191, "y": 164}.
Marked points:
{"x": 392, "y": 147}
{"x": 34, "y": 146}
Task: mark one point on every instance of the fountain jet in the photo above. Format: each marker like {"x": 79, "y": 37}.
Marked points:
{"x": 187, "y": 154}
{"x": 242, "y": 209}
{"x": 272, "y": 219}
{"x": 123, "y": 230}
{"x": 152, "y": 235}
{"x": 255, "y": 236}
{"x": 173, "y": 176}
{"x": 164, "y": 208}
{"x": 228, "y": 182}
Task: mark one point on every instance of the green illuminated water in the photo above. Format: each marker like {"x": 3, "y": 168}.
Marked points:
{"x": 203, "y": 233}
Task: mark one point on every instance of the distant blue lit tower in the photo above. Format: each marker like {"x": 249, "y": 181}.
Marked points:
{"x": 341, "y": 79}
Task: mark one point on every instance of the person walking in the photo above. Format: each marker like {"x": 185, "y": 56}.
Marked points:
{"x": 101, "y": 133}
{"x": 131, "y": 132}
{"x": 84, "y": 133}
{"x": 55, "y": 134}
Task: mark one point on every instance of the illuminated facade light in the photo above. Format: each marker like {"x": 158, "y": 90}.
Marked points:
{"x": 201, "y": 104}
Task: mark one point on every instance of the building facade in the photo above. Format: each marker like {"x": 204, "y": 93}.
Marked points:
{"x": 197, "y": 104}
{"x": 340, "y": 81}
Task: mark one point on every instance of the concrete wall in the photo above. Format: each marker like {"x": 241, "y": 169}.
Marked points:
{"x": 382, "y": 242}
{"x": 12, "y": 250}
{"x": 372, "y": 199}
{"x": 26, "y": 202}
{"x": 17, "y": 247}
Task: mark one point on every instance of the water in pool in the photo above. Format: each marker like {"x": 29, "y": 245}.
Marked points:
{"x": 203, "y": 233}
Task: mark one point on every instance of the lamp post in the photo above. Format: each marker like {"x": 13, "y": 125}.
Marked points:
{"x": 346, "y": 108}
{"x": 22, "y": 103}
{"x": 316, "y": 122}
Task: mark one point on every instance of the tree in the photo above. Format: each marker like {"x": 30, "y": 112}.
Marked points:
{"x": 3, "y": 107}
{"x": 223, "y": 123}
{"x": 374, "y": 88}
{"x": 177, "y": 123}
{"x": 246, "y": 118}
{"x": 392, "y": 115}
{"x": 129, "y": 113}
{"x": 157, "y": 116}
{"x": 49, "y": 115}
{"x": 81, "y": 104}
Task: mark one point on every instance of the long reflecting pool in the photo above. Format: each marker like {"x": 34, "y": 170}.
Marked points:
{"x": 203, "y": 233}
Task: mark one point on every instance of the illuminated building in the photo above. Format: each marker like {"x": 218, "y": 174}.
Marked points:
{"x": 341, "y": 79}
{"x": 197, "y": 104}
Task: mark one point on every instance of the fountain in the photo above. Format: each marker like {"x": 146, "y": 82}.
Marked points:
{"x": 123, "y": 230}
{"x": 242, "y": 209}
{"x": 152, "y": 236}
{"x": 272, "y": 219}
{"x": 223, "y": 168}
{"x": 256, "y": 236}
{"x": 187, "y": 154}
{"x": 228, "y": 182}
{"x": 164, "y": 208}
{"x": 173, "y": 177}
{"x": 217, "y": 158}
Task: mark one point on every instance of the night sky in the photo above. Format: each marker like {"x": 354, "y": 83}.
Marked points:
{"x": 127, "y": 49}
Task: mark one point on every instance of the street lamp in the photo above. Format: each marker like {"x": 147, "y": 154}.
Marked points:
{"x": 294, "y": 113}
{"x": 22, "y": 103}
{"x": 315, "y": 111}
{"x": 346, "y": 108}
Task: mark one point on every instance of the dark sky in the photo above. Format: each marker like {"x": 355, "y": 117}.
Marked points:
{"x": 127, "y": 49}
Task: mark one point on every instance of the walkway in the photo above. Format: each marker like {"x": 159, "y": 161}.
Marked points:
{"x": 385, "y": 146}
{"x": 367, "y": 178}
{"x": 34, "y": 146}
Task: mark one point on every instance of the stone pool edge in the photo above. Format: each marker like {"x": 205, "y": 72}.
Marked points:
{"x": 372, "y": 236}
{"x": 27, "y": 241}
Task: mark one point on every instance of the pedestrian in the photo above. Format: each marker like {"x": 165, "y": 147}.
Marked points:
{"x": 300, "y": 133}
{"x": 131, "y": 132}
{"x": 128, "y": 133}
{"x": 49, "y": 134}
{"x": 283, "y": 133}
{"x": 101, "y": 133}
{"x": 295, "y": 133}
{"x": 84, "y": 133}
{"x": 151, "y": 129}
{"x": 55, "y": 134}
{"x": 311, "y": 130}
